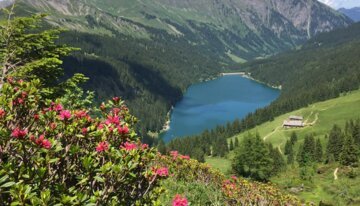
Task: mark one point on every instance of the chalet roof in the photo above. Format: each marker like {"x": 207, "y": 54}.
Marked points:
{"x": 293, "y": 117}
{"x": 293, "y": 123}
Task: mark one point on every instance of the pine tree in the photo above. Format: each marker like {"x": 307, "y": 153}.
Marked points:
{"x": 236, "y": 142}
{"x": 293, "y": 138}
{"x": 288, "y": 147}
{"x": 231, "y": 145}
{"x": 28, "y": 54}
{"x": 290, "y": 156}
{"x": 318, "y": 151}
{"x": 278, "y": 160}
{"x": 335, "y": 143}
{"x": 309, "y": 147}
{"x": 348, "y": 156}
{"x": 252, "y": 159}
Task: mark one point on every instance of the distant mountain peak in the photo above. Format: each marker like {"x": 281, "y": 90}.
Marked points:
{"x": 353, "y": 13}
{"x": 244, "y": 28}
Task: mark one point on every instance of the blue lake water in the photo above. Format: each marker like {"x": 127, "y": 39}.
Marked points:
{"x": 208, "y": 104}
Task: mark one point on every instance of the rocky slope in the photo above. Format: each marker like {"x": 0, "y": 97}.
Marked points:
{"x": 242, "y": 28}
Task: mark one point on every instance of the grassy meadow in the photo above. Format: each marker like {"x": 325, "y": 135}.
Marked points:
{"x": 320, "y": 118}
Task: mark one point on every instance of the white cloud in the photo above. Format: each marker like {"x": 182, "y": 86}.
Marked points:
{"x": 341, "y": 3}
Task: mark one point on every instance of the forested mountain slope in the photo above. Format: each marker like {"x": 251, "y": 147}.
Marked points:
{"x": 323, "y": 68}
{"x": 149, "y": 52}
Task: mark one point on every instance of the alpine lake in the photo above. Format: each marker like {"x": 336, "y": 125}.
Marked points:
{"x": 216, "y": 102}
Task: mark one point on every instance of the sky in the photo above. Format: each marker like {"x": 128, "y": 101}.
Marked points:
{"x": 337, "y": 4}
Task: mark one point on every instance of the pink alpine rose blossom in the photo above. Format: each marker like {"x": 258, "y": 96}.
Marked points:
{"x": 129, "y": 146}
{"x": 84, "y": 131}
{"x": 2, "y": 113}
{"x": 180, "y": 201}
{"x": 162, "y": 172}
{"x": 18, "y": 133}
{"x": 185, "y": 157}
{"x": 80, "y": 114}
{"x": 174, "y": 154}
{"x": 65, "y": 115}
{"x": 102, "y": 146}
{"x": 123, "y": 130}
{"x": 46, "y": 144}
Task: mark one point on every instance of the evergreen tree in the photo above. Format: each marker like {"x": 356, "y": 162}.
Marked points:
{"x": 335, "y": 143}
{"x": 348, "y": 156}
{"x": 278, "y": 160}
{"x": 288, "y": 147}
{"x": 318, "y": 151}
{"x": 231, "y": 145}
{"x": 253, "y": 159}
{"x": 236, "y": 142}
{"x": 306, "y": 153}
{"x": 28, "y": 54}
{"x": 290, "y": 156}
{"x": 310, "y": 147}
{"x": 293, "y": 138}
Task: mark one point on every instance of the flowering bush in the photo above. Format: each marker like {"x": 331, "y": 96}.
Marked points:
{"x": 199, "y": 183}
{"x": 50, "y": 155}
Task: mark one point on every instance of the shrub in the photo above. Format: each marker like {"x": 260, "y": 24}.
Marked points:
{"x": 50, "y": 154}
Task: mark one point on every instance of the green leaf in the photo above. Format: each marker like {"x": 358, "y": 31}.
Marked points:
{"x": 99, "y": 179}
{"x": 5, "y": 177}
{"x": 8, "y": 184}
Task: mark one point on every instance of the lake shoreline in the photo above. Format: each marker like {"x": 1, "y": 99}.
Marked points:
{"x": 248, "y": 76}
{"x": 166, "y": 130}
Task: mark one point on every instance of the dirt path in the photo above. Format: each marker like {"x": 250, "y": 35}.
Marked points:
{"x": 280, "y": 149}
{"x": 315, "y": 120}
{"x": 271, "y": 133}
{"x": 307, "y": 119}
{"x": 335, "y": 174}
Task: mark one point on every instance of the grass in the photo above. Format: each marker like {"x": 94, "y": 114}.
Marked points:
{"x": 323, "y": 187}
{"x": 222, "y": 164}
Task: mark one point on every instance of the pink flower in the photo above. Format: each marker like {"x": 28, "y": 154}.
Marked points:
{"x": 41, "y": 141}
{"x": 20, "y": 101}
{"x": 53, "y": 125}
{"x": 129, "y": 146}
{"x": 174, "y": 154}
{"x": 84, "y": 131}
{"x": 36, "y": 117}
{"x": 185, "y": 157}
{"x": 144, "y": 146}
{"x": 113, "y": 120}
{"x": 116, "y": 111}
{"x": 58, "y": 107}
{"x": 102, "y": 146}
{"x": 24, "y": 94}
{"x": 46, "y": 144}
{"x": 100, "y": 126}
{"x": 162, "y": 172}
{"x": 179, "y": 201}
{"x": 123, "y": 130}
{"x": 116, "y": 99}
{"x": 65, "y": 115}
{"x": 2, "y": 113}
{"x": 18, "y": 133}
{"x": 80, "y": 114}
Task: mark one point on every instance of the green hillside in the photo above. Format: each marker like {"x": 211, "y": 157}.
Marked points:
{"x": 320, "y": 118}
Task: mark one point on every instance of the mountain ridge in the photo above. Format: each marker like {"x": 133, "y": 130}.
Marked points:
{"x": 353, "y": 13}
{"x": 247, "y": 29}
